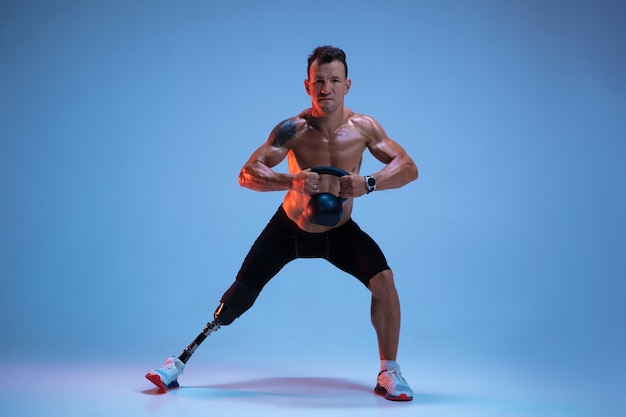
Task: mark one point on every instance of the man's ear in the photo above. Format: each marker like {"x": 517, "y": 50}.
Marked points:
{"x": 307, "y": 86}
{"x": 348, "y": 84}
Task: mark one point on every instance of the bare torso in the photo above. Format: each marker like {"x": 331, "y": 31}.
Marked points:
{"x": 310, "y": 147}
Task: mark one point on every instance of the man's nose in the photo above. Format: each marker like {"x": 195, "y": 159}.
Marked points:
{"x": 325, "y": 87}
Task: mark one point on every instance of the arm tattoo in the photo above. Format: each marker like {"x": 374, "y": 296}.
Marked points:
{"x": 283, "y": 133}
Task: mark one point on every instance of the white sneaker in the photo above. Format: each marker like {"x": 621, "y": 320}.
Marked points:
{"x": 393, "y": 386}
{"x": 166, "y": 377}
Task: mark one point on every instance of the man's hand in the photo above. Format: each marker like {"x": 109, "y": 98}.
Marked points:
{"x": 306, "y": 182}
{"x": 352, "y": 185}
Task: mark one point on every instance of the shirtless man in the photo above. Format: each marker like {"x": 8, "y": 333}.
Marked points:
{"x": 327, "y": 134}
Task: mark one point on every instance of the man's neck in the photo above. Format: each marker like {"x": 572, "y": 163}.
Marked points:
{"x": 326, "y": 122}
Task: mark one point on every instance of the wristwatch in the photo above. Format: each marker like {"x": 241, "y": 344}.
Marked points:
{"x": 370, "y": 183}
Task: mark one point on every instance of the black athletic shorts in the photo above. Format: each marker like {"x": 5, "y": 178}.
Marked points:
{"x": 347, "y": 247}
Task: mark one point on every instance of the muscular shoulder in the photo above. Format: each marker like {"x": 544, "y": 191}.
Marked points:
{"x": 284, "y": 132}
{"x": 367, "y": 126}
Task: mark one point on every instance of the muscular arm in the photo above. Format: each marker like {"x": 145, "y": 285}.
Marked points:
{"x": 257, "y": 173}
{"x": 399, "y": 168}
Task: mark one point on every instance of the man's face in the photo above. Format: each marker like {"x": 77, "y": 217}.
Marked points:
{"x": 327, "y": 85}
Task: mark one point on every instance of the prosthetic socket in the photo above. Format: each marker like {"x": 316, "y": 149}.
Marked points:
{"x": 235, "y": 301}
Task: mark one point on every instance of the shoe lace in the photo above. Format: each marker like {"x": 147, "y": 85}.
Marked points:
{"x": 171, "y": 368}
{"x": 397, "y": 376}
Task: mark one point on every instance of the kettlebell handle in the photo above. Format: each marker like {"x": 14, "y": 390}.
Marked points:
{"x": 337, "y": 172}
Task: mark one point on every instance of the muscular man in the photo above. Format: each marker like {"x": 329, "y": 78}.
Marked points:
{"x": 327, "y": 134}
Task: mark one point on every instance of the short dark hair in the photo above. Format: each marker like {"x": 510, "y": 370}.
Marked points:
{"x": 325, "y": 55}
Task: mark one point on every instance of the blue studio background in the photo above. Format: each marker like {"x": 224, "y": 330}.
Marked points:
{"x": 123, "y": 126}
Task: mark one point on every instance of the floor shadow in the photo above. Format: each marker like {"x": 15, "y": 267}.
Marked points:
{"x": 306, "y": 392}
{"x": 289, "y": 392}
{"x": 298, "y": 386}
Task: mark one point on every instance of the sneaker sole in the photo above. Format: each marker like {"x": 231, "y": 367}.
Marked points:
{"x": 383, "y": 392}
{"x": 156, "y": 380}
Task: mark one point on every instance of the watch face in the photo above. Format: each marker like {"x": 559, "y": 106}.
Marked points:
{"x": 371, "y": 181}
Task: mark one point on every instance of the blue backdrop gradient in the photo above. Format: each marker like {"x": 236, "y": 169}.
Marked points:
{"x": 123, "y": 126}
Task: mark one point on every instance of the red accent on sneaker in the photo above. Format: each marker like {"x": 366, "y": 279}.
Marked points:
{"x": 401, "y": 397}
{"x": 380, "y": 390}
{"x": 156, "y": 380}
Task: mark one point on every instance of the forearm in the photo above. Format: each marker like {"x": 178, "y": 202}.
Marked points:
{"x": 259, "y": 177}
{"x": 397, "y": 173}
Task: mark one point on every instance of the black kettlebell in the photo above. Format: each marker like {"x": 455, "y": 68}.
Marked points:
{"x": 326, "y": 209}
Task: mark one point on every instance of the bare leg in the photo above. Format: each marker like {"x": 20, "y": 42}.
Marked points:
{"x": 385, "y": 314}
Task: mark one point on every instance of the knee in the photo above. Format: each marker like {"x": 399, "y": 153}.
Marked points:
{"x": 382, "y": 283}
